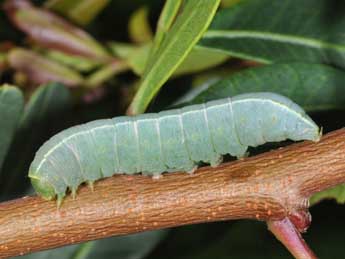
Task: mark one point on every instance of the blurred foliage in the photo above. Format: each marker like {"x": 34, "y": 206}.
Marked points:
{"x": 79, "y": 11}
{"x": 139, "y": 27}
{"x": 102, "y": 51}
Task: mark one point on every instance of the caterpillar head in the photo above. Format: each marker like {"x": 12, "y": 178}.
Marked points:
{"x": 43, "y": 188}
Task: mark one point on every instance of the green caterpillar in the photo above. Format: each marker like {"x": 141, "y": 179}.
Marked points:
{"x": 168, "y": 141}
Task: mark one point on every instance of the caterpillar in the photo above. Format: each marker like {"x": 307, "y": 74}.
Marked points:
{"x": 168, "y": 141}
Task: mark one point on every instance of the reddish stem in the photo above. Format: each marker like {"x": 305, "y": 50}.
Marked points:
{"x": 286, "y": 232}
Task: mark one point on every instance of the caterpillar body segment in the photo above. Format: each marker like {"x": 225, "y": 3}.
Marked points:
{"x": 168, "y": 141}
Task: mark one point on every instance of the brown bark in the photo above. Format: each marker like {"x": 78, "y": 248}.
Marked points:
{"x": 270, "y": 186}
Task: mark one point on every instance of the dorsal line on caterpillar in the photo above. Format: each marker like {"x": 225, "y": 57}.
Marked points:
{"x": 59, "y": 144}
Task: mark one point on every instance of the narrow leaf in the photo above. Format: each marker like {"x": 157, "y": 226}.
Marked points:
{"x": 313, "y": 86}
{"x": 165, "y": 21}
{"x": 51, "y": 31}
{"x": 11, "y": 107}
{"x": 139, "y": 26}
{"x": 105, "y": 73}
{"x": 198, "y": 59}
{"x": 40, "y": 70}
{"x": 44, "y": 110}
{"x": 183, "y": 35}
{"x": 292, "y": 30}
{"x": 228, "y": 3}
{"x": 80, "y": 11}
{"x": 76, "y": 62}
{"x": 61, "y": 6}
{"x": 83, "y": 12}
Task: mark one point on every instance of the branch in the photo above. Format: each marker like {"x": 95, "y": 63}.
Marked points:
{"x": 268, "y": 187}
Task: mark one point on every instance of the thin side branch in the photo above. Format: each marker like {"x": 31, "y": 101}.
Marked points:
{"x": 269, "y": 187}
{"x": 286, "y": 232}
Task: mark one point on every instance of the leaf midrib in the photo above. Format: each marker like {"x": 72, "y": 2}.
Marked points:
{"x": 171, "y": 43}
{"x": 278, "y": 37}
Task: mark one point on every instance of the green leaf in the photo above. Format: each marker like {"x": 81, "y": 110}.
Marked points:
{"x": 39, "y": 69}
{"x": 75, "y": 62}
{"x": 133, "y": 246}
{"x": 44, "y": 110}
{"x": 200, "y": 59}
{"x": 85, "y": 11}
{"x": 11, "y": 107}
{"x": 139, "y": 26}
{"x": 270, "y": 31}
{"x": 183, "y": 35}
{"x": 165, "y": 21}
{"x": 337, "y": 193}
{"x": 197, "y": 60}
{"x": 315, "y": 87}
{"x": 228, "y": 3}
{"x": 122, "y": 50}
{"x": 61, "y": 6}
{"x": 105, "y": 73}
{"x": 79, "y": 11}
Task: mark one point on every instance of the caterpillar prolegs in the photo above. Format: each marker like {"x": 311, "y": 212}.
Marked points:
{"x": 168, "y": 141}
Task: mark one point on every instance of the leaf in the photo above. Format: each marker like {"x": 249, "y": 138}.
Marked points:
{"x": 139, "y": 26}
{"x": 183, "y": 35}
{"x": 122, "y": 50}
{"x": 40, "y": 70}
{"x": 51, "y": 31}
{"x": 197, "y": 60}
{"x": 292, "y": 30}
{"x": 315, "y": 87}
{"x": 44, "y": 109}
{"x": 11, "y": 107}
{"x": 165, "y": 21}
{"x": 105, "y": 73}
{"x": 200, "y": 59}
{"x": 61, "y": 6}
{"x": 79, "y": 11}
{"x": 75, "y": 62}
{"x": 133, "y": 246}
{"x": 85, "y": 11}
{"x": 337, "y": 193}
{"x": 228, "y": 3}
